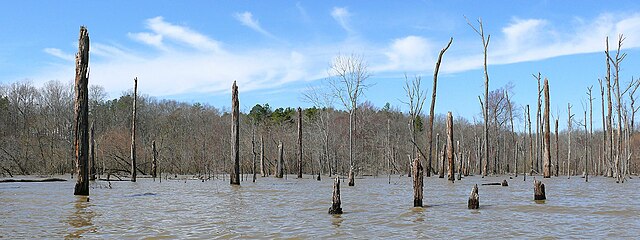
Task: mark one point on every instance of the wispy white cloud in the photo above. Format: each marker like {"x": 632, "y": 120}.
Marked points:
{"x": 60, "y": 54}
{"x": 246, "y": 18}
{"x": 342, "y": 15}
{"x": 411, "y": 53}
{"x": 303, "y": 12}
{"x": 183, "y": 35}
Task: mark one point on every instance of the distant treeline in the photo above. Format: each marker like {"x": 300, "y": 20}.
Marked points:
{"x": 36, "y": 137}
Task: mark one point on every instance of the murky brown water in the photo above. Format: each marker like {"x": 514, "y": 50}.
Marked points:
{"x": 294, "y": 208}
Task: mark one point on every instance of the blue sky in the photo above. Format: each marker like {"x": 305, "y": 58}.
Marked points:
{"x": 193, "y": 50}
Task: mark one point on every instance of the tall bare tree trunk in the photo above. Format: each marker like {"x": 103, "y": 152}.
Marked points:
{"x": 450, "y": 147}
{"x": 299, "y": 142}
{"x": 586, "y": 149}
{"x": 538, "y": 127}
{"x": 154, "y": 162}
{"x": 609, "y": 113}
{"x": 235, "y": 136}
{"x": 591, "y": 128}
{"x": 530, "y": 141}
{"x": 485, "y": 46}
{"x": 352, "y": 116}
{"x": 92, "y": 153}
{"x": 569, "y": 144}
{"x": 81, "y": 109}
{"x": 255, "y": 155}
{"x": 263, "y": 167}
{"x": 605, "y": 129}
{"x": 433, "y": 105}
{"x": 557, "y": 152}
{"x": 547, "y": 130}
{"x": 133, "y": 130}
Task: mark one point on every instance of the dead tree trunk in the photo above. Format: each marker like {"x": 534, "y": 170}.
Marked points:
{"x": 538, "y": 127}
{"x": 299, "y": 142}
{"x": 235, "y": 136}
{"x": 81, "y": 109}
{"x": 603, "y": 154}
{"x": 450, "y": 147}
{"x": 92, "y": 153}
{"x": 586, "y": 150}
{"x": 255, "y": 155}
{"x": 547, "y": 130}
{"x": 280, "y": 165}
{"x": 538, "y": 190}
{"x": 569, "y": 143}
{"x": 417, "y": 182}
{"x": 335, "y": 205}
{"x": 609, "y": 113}
{"x": 263, "y": 167}
{"x": 530, "y": 141}
{"x": 474, "y": 198}
{"x": 433, "y": 104}
{"x": 133, "y": 130}
{"x": 154, "y": 162}
{"x": 557, "y": 151}
{"x": 440, "y": 163}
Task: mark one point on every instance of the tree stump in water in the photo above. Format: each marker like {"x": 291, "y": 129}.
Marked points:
{"x": 351, "y": 181}
{"x": 318, "y": 178}
{"x": 474, "y": 198}
{"x": 505, "y": 183}
{"x": 417, "y": 182}
{"x": 538, "y": 190}
{"x": 335, "y": 206}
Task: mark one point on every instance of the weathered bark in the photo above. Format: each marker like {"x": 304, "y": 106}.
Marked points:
{"x": 547, "y": 129}
{"x": 474, "y": 198}
{"x": 235, "y": 136}
{"x": 280, "y": 164}
{"x": 351, "y": 177}
{"x": 81, "y": 109}
{"x": 154, "y": 162}
{"x": 450, "y": 147}
{"x": 417, "y": 182}
{"x": 538, "y": 190}
{"x": 433, "y": 105}
{"x": 443, "y": 154}
{"x": 133, "y": 130}
{"x": 603, "y": 156}
{"x": 441, "y": 165}
{"x": 92, "y": 153}
{"x": 459, "y": 158}
{"x": 263, "y": 166}
{"x": 609, "y": 113}
{"x": 538, "y": 127}
{"x": 299, "y": 142}
{"x": 335, "y": 205}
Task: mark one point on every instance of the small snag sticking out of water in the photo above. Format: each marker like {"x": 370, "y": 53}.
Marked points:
{"x": 474, "y": 198}
{"x": 335, "y": 207}
{"x": 538, "y": 190}
{"x": 505, "y": 183}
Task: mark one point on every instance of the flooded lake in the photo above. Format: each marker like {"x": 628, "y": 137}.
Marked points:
{"x": 297, "y": 208}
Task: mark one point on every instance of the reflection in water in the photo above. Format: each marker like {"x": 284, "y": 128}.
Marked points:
{"x": 419, "y": 212}
{"x": 81, "y": 219}
{"x": 336, "y": 220}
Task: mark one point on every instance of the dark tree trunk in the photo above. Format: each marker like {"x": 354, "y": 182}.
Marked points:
{"x": 280, "y": 164}
{"x": 417, "y": 182}
{"x": 299, "y": 142}
{"x": 154, "y": 163}
{"x": 335, "y": 206}
{"x": 450, "y": 147}
{"x": 81, "y": 108}
{"x": 557, "y": 151}
{"x": 474, "y": 198}
{"x": 538, "y": 190}
{"x": 263, "y": 167}
{"x": 547, "y": 130}
{"x": 133, "y": 130}
{"x": 235, "y": 136}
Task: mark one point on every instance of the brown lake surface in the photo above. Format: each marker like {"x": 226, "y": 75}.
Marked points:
{"x": 297, "y": 208}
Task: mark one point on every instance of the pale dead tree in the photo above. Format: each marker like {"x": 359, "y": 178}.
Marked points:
{"x": 416, "y": 99}
{"x": 631, "y": 89}
{"x": 538, "y": 122}
{"x": 348, "y": 76}
{"x": 616, "y": 65}
{"x": 485, "y": 45}
{"x": 513, "y": 133}
{"x": 133, "y": 130}
{"x": 433, "y": 105}
{"x": 569, "y": 129}
{"x": 609, "y": 113}
{"x": 590, "y": 141}
{"x": 605, "y": 128}
{"x": 81, "y": 120}
{"x": 547, "y": 129}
